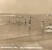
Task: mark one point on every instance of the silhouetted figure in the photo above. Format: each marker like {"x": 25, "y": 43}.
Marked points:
{"x": 42, "y": 24}
{"x": 29, "y": 28}
{"x": 29, "y": 21}
{"x": 25, "y": 21}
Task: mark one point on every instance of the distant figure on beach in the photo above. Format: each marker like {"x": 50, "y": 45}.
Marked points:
{"x": 42, "y": 23}
{"x": 29, "y": 21}
{"x": 29, "y": 24}
{"x": 9, "y": 21}
{"x": 25, "y": 21}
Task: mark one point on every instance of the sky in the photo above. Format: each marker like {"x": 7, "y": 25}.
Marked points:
{"x": 26, "y": 6}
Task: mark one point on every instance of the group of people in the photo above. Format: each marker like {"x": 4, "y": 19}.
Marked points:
{"x": 18, "y": 21}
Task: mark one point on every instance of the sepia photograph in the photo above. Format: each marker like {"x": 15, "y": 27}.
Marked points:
{"x": 25, "y": 24}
